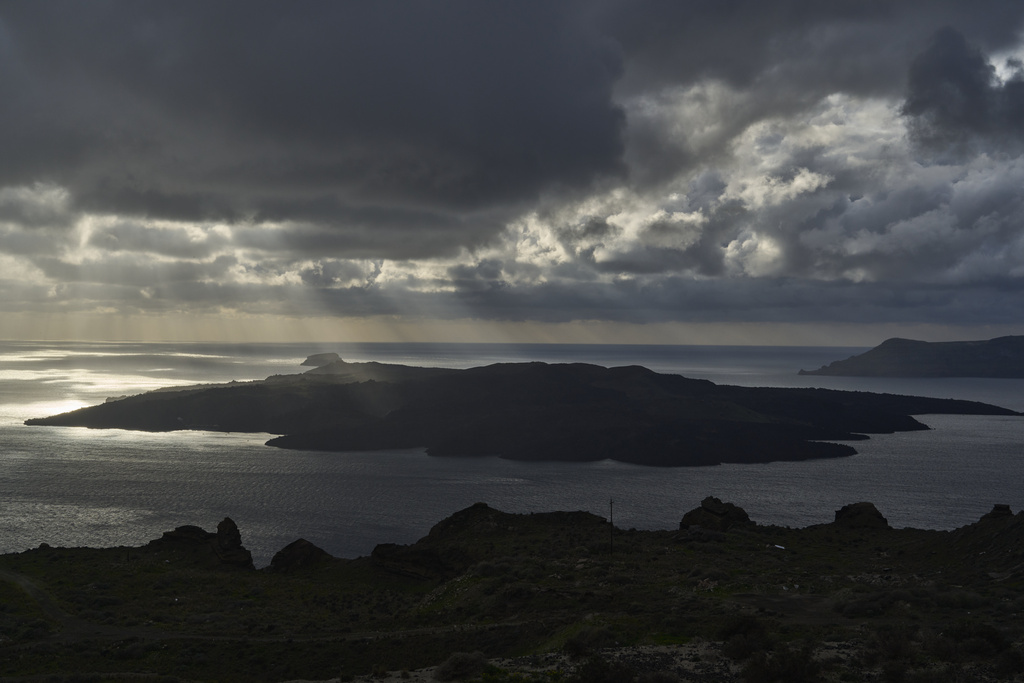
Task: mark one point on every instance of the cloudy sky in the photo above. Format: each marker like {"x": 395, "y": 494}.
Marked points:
{"x": 680, "y": 171}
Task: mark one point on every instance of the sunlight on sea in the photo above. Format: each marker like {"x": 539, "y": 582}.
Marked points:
{"x": 18, "y": 413}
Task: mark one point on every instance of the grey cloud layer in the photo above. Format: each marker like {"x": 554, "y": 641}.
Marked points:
{"x": 630, "y": 160}
{"x": 223, "y": 110}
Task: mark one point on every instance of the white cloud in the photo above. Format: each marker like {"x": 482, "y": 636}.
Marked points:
{"x": 765, "y": 191}
{"x": 753, "y": 255}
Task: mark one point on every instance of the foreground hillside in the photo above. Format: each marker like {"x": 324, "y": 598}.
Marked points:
{"x": 1002, "y": 357}
{"x": 527, "y": 411}
{"x": 560, "y": 596}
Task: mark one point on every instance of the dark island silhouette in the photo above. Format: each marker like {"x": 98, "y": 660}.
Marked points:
{"x": 527, "y": 411}
{"x": 1002, "y": 357}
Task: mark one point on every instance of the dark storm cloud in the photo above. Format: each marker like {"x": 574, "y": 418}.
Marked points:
{"x": 635, "y": 160}
{"x": 334, "y": 229}
{"x": 749, "y": 300}
{"x": 224, "y": 110}
{"x": 953, "y": 94}
{"x": 856, "y": 46}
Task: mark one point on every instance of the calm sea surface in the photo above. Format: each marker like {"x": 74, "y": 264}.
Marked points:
{"x": 69, "y": 486}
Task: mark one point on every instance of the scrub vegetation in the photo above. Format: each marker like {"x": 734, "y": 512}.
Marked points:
{"x": 552, "y": 597}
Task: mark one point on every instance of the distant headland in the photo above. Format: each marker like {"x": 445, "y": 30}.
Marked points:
{"x": 1002, "y": 357}
{"x": 526, "y": 411}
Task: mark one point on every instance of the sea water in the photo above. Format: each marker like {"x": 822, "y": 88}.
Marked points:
{"x": 72, "y": 486}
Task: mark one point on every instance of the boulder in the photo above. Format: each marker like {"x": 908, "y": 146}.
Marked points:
{"x": 860, "y": 516}
{"x": 714, "y": 515}
{"x": 298, "y": 555}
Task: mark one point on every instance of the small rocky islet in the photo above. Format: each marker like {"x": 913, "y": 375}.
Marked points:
{"x": 546, "y": 597}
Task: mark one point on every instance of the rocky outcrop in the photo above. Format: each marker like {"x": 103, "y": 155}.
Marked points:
{"x": 860, "y": 516}
{"x": 229, "y": 546}
{"x": 198, "y": 546}
{"x": 714, "y": 515}
{"x": 467, "y": 537}
{"x": 999, "y": 511}
{"x": 298, "y": 555}
{"x": 318, "y": 360}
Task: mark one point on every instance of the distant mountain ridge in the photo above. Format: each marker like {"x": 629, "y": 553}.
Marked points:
{"x": 1002, "y": 357}
{"x": 527, "y": 411}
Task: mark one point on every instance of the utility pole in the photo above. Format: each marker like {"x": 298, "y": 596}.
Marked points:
{"x": 611, "y": 526}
